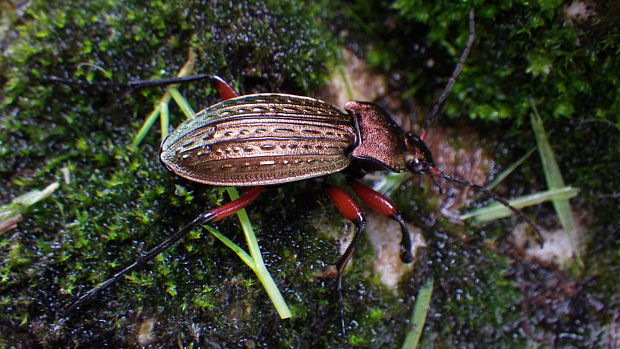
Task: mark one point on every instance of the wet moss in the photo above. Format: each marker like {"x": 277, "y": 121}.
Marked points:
{"x": 560, "y": 60}
{"x": 115, "y": 202}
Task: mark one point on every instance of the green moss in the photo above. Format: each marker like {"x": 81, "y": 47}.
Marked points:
{"x": 523, "y": 51}
{"x": 115, "y": 203}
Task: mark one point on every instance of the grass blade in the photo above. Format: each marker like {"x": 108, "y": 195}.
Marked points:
{"x": 260, "y": 269}
{"x": 555, "y": 181}
{"x": 418, "y": 317}
{"x": 146, "y": 125}
{"x": 245, "y": 257}
{"x": 10, "y": 214}
{"x": 505, "y": 173}
{"x": 163, "y": 104}
{"x": 496, "y": 210}
{"x": 181, "y": 101}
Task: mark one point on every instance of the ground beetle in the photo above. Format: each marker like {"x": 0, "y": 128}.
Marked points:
{"x": 273, "y": 138}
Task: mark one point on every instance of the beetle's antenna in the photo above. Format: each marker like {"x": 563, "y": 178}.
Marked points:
{"x": 130, "y": 85}
{"x": 435, "y": 172}
{"x": 432, "y": 115}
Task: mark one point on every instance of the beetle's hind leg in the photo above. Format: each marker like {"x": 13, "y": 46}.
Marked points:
{"x": 128, "y": 86}
{"x": 212, "y": 215}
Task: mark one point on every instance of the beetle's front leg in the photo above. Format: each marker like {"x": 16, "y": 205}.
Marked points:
{"x": 385, "y": 206}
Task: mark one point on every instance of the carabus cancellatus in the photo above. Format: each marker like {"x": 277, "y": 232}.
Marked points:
{"x": 273, "y": 138}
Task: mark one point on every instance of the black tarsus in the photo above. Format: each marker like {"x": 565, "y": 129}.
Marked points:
{"x": 341, "y": 264}
{"x": 406, "y": 244}
{"x": 132, "y": 85}
{"x": 432, "y": 115}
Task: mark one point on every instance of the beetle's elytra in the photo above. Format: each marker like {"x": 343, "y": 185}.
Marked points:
{"x": 259, "y": 140}
{"x": 271, "y": 138}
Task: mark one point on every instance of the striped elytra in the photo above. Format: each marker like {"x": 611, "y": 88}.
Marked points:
{"x": 261, "y": 139}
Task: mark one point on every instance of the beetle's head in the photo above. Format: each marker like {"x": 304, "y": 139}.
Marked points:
{"x": 418, "y": 158}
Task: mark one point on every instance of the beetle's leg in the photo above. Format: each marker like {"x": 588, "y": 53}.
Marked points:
{"x": 385, "y": 206}
{"x": 212, "y": 215}
{"x": 130, "y": 85}
{"x": 351, "y": 211}
{"x": 223, "y": 88}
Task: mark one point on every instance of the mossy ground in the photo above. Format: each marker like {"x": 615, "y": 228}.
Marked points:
{"x": 115, "y": 202}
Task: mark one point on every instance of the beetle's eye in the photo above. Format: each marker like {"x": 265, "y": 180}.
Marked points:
{"x": 416, "y": 166}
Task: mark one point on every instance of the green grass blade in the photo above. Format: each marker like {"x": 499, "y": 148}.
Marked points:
{"x": 181, "y": 101}
{"x": 10, "y": 214}
{"x": 238, "y": 250}
{"x": 505, "y": 173}
{"x": 163, "y": 103}
{"x": 164, "y": 120}
{"x": 496, "y": 210}
{"x": 389, "y": 182}
{"x": 418, "y": 317}
{"x": 341, "y": 71}
{"x": 554, "y": 181}
{"x": 261, "y": 270}
{"x": 146, "y": 126}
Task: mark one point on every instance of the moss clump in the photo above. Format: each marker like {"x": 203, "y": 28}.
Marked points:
{"x": 564, "y": 62}
{"x": 114, "y": 202}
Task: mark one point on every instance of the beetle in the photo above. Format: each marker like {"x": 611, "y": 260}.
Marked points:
{"x": 274, "y": 138}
